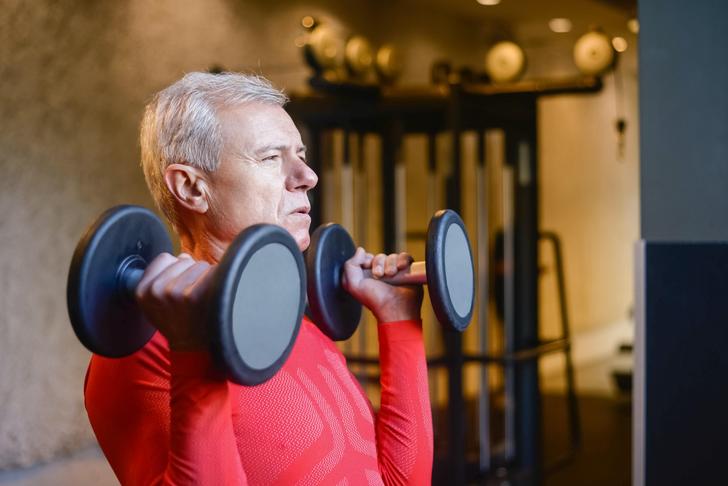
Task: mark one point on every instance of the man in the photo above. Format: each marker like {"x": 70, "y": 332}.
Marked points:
{"x": 219, "y": 154}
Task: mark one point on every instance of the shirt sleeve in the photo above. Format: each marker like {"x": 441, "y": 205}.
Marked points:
{"x": 163, "y": 421}
{"x": 404, "y": 421}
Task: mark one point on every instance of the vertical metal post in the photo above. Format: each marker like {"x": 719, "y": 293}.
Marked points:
{"x": 509, "y": 373}
{"x": 453, "y": 340}
{"x": 481, "y": 205}
{"x": 391, "y": 139}
{"x": 347, "y": 185}
{"x": 346, "y": 203}
{"x": 362, "y": 211}
{"x": 314, "y": 161}
{"x": 527, "y": 397}
{"x": 432, "y": 206}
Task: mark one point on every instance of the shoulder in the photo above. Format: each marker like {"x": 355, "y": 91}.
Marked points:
{"x": 109, "y": 379}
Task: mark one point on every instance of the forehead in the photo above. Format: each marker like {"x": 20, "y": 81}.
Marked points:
{"x": 253, "y": 125}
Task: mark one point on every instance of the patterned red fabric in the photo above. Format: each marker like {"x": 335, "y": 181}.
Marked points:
{"x": 163, "y": 417}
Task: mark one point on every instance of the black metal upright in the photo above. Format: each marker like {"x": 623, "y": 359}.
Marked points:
{"x": 393, "y": 112}
{"x": 521, "y": 151}
{"x": 391, "y": 140}
{"x": 314, "y": 161}
{"x": 454, "y": 340}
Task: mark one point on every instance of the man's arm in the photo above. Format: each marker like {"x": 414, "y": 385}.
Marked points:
{"x": 404, "y": 422}
{"x": 163, "y": 418}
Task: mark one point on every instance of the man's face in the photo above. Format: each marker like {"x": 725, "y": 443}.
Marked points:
{"x": 263, "y": 176}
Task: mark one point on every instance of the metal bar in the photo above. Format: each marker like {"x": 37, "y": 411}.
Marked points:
{"x": 347, "y": 185}
{"x": 390, "y": 142}
{"x": 482, "y": 232}
{"x": 453, "y": 340}
{"x": 527, "y": 399}
{"x": 432, "y": 206}
{"x": 572, "y": 400}
{"x": 346, "y": 199}
{"x": 362, "y": 211}
{"x": 508, "y": 307}
{"x": 504, "y": 359}
{"x": 314, "y": 161}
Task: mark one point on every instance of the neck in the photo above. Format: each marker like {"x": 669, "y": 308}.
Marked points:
{"x": 203, "y": 244}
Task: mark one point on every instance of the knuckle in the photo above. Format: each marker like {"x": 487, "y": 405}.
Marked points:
{"x": 157, "y": 289}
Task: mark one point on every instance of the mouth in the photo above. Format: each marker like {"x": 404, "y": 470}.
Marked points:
{"x": 302, "y": 210}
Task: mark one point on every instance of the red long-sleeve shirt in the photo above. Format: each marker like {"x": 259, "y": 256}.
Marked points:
{"x": 166, "y": 417}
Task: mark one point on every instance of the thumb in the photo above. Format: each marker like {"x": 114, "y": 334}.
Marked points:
{"x": 353, "y": 273}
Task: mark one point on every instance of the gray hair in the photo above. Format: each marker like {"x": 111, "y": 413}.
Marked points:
{"x": 180, "y": 125}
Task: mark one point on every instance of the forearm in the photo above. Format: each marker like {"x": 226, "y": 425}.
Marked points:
{"x": 404, "y": 422}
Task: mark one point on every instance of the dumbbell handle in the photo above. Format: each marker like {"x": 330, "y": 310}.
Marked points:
{"x": 130, "y": 274}
{"x": 416, "y": 275}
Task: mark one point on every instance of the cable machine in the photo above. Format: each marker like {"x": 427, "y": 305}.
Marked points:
{"x": 394, "y": 112}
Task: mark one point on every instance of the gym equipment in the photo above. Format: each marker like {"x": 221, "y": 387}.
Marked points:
{"x": 448, "y": 271}
{"x": 324, "y": 52}
{"x": 505, "y": 62}
{"x": 594, "y": 53}
{"x": 450, "y": 109}
{"x": 440, "y": 72}
{"x": 359, "y": 56}
{"x": 388, "y": 63}
{"x": 254, "y": 306}
{"x": 481, "y": 198}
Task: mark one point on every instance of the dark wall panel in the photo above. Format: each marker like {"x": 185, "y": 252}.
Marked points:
{"x": 684, "y": 119}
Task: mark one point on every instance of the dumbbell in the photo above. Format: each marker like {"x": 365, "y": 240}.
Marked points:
{"x": 253, "y": 309}
{"x": 447, "y": 271}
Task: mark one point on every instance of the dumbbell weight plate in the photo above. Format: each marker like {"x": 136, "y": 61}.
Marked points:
{"x": 257, "y": 300}
{"x": 104, "y": 316}
{"x": 450, "y": 273}
{"x": 332, "y": 308}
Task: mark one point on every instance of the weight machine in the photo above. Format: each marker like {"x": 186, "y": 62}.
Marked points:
{"x": 392, "y": 113}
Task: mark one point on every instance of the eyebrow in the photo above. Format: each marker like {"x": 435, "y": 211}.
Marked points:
{"x": 280, "y": 148}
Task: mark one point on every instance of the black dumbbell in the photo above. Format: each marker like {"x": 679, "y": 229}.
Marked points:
{"x": 447, "y": 271}
{"x": 254, "y": 306}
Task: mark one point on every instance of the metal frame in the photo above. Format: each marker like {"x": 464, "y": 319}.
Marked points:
{"x": 393, "y": 112}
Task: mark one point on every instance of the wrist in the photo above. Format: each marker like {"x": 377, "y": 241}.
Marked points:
{"x": 398, "y": 313}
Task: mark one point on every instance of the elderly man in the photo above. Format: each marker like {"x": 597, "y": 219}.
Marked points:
{"x": 219, "y": 154}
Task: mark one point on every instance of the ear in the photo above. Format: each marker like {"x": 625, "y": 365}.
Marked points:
{"x": 188, "y": 186}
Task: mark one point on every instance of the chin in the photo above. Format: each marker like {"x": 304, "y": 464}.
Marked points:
{"x": 300, "y": 235}
{"x": 303, "y": 241}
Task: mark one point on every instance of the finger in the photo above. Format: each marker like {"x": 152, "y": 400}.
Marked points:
{"x": 353, "y": 273}
{"x": 159, "y": 285}
{"x": 390, "y": 265}
{"x": 188, "y": 283}
{"x": 378, "y": 265}
{"x": 184, "y": 255}
{"x": 162, "y": 261}
{"x": 404, "y": 260}
{"x": 368, "y": 260}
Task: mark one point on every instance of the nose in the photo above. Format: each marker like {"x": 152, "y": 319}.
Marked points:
{"x": 302, "y": 177}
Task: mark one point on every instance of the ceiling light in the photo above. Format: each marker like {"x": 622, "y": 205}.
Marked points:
{"x": 489, "y": 3}
{"x": 619, "y": 44}
{"x": 308, "y": 21}
{"x": 560, "y": 25}
{"x": 633, "y": 25}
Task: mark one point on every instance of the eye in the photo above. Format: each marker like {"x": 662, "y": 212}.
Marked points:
{"x": 271, "y": 158}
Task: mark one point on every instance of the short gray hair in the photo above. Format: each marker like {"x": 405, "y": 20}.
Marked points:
{"x": 180, "y": 125}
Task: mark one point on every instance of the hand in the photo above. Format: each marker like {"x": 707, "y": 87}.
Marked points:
{"x": 171, "y": 294}
{"x": 388, "y": 302}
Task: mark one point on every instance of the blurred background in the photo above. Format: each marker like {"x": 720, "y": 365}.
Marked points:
{"x": 520, "y": 114}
